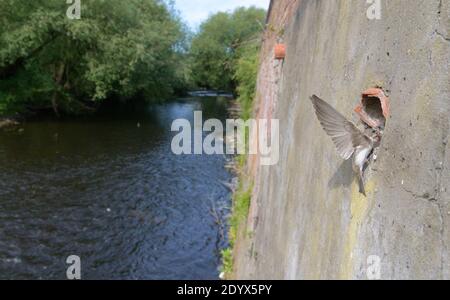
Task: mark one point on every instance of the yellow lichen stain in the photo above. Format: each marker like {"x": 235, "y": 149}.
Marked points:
{"x": 359, "y": 207}
{"x": 314, "y": 261}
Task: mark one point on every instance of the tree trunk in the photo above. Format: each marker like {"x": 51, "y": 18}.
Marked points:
{"x": 59, "y": 74}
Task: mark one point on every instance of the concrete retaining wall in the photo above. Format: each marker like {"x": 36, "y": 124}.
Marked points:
{"x": 307, "y": 219}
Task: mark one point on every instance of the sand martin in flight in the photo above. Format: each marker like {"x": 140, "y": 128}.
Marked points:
{"x": 349, "y": 140}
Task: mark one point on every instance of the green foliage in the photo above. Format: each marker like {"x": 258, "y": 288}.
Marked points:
{"x": 241, "y": 205}
{"x": 245, "y": 76}
{"x": 117, "y": 48}
{"x": 217, "y": 47}
{"x": 227, "y": 261}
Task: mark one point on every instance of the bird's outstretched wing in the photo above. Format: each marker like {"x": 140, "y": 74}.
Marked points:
{"x": 344, "y": 133}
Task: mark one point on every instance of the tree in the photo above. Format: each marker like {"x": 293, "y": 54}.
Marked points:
{"x": 117, "y": 48}
{"x": 246, "y": 75}
{"x": 216, "y": 49}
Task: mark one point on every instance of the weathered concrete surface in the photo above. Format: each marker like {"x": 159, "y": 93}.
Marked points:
{"x": 307, "y": 219}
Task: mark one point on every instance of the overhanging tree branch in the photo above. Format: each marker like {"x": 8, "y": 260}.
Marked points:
{"x": 10, "y": 69}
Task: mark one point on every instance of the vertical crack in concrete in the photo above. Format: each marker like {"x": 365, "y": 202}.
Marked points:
{"x": 445, "y": 139}
{"x": 435, "y": 202}
{"x": 439, "y": 189}
{"x": 441, "y": 232}
{"x": 439, "y": 204}
{"x": 439, "y": 10}
{"x": 435, "y": 199}
{"x": 436, "y": 31}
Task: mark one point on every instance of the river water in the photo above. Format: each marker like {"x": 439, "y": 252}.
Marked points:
{"x": 109, "y": 190}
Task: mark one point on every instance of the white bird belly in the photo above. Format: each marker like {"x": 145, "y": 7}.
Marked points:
{"x": 361, "y": 156}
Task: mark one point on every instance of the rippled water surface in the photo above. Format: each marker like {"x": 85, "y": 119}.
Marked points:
{"x": 109, "y": 189}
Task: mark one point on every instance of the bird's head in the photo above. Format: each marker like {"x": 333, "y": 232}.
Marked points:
{"x": 377, "y": 134}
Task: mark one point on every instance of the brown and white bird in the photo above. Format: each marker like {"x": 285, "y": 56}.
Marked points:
{"x": 349, "y": 140}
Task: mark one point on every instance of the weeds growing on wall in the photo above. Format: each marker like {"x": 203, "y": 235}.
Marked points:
{"x": 245, "y": 76}
{"x": 241, "y": 205}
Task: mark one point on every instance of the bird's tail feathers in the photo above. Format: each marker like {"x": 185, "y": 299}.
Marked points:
{"x": 362, "y": 189}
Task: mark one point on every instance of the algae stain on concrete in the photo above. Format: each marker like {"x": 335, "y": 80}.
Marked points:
{"x": 359, "y": 208}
